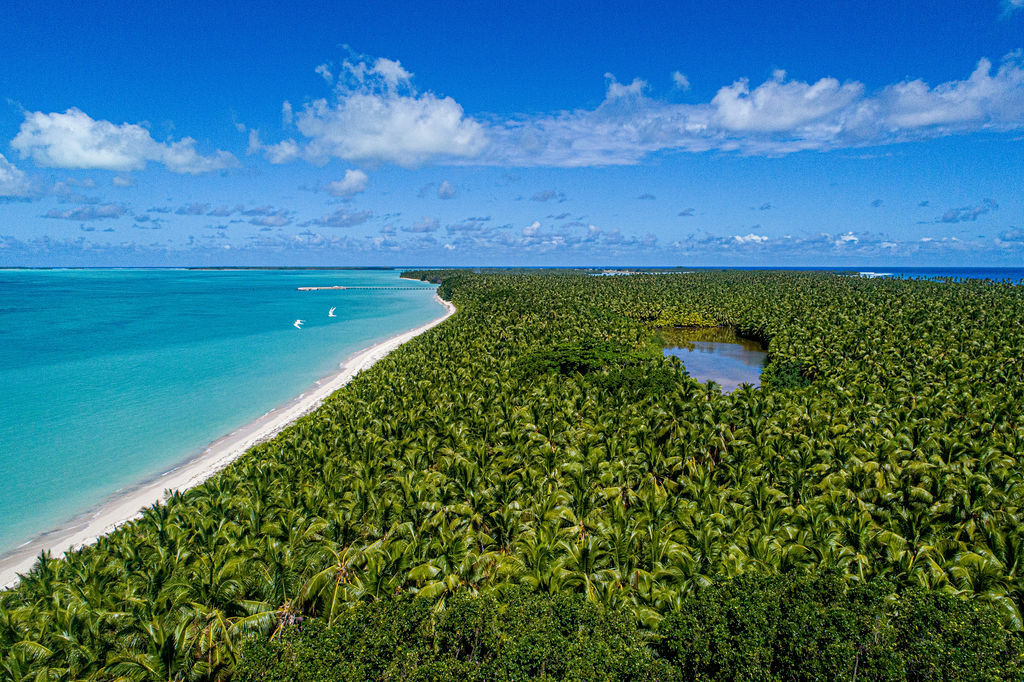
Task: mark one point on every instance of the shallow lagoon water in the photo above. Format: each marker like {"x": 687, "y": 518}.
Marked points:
{"x": 718, "y": 354}
{"x": 112, "y": 377}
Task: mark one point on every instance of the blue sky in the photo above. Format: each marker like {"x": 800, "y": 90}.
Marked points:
{"x": 554, "y": 133}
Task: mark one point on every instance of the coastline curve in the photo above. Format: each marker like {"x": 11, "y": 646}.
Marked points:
{"x": 127, "y": 505}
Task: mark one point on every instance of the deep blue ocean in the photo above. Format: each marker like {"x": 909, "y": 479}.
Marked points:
{"x": 1015, "y": 275}
{"x": 111, "y": 377}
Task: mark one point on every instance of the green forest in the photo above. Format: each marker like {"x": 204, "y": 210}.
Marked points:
{"x": 531, "y": 491}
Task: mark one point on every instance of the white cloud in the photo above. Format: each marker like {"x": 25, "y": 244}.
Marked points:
{"x": 374, "y": 127}
{"x": 983, "y": 97}
{"x": 376, "y": 116}
{"x": 750, "y": 238}
{"x": 13, "y": 182}
{"x": 1012, "y": 6}
{"x": 354, "y": 182}
{"x": 123, "y": 181}
{"x": 282, "y": 152}
{"x": 325, "y": 73}
{"x": 446, "y": 190}
{"x": 532, "y": 228}
{"x": 779, "y": 105}
{"x": 287, "y": 115}
{"x": 777, "y": 117}
{"x": 75, "y": 140}
{"x": 277, "y": 219}
{"x": 617, "y": 90}
{"x": 392, "y": 72}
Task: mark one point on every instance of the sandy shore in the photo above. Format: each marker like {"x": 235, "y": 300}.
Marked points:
{"x": 128, "y": 504}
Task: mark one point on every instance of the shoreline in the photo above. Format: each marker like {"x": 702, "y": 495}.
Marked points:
{"x": 127, "y": 504}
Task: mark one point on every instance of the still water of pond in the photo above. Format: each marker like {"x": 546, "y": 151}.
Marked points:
{"x": 718, "y": 354}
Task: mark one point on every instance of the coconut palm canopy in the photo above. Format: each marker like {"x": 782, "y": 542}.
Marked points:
{"x": 537, "y": 439}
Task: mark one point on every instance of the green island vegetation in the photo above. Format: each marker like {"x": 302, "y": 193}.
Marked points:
{"x": 530, "y": 490}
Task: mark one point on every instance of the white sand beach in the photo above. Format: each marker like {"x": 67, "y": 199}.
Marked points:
{"x": 127, "y": 505}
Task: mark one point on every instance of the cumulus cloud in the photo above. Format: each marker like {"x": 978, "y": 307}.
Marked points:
{"x": 779, "y": 116}
{"x": 966, "y": 214}
{"x": 340, "y": 218}
{"x": 123, "y": 181}
{"x": 282, "y": 152}
{"x": 446, "y": 190}
{"x": 779, "y": 105}
{"x": 750, "y": 238}
{"x": 75, "y": 140}
{"x": 88, "y": 212}
{"x": 354, "y": 182}
{"x": 375, "y": 115}
{"x": 13, "y": 182}
{"x": 617, "y": 90}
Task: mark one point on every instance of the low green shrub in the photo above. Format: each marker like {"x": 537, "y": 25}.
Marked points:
{"x": 783, "y": 627}
{"x": 812, "y": 628}
{"x": 515, "y": 636}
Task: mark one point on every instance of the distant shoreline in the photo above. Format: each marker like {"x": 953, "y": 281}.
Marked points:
{"x": 126, "y": 505}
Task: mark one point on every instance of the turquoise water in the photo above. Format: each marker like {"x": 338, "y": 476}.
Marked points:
{"x": 110, "y": 377}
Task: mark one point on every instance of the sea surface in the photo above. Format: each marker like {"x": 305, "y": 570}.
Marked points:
{"x": 1014, "y": 275}
{"x": 112, "y": 377}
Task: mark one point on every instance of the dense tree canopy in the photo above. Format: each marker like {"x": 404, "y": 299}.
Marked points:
{"x": 536, "y": 440}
